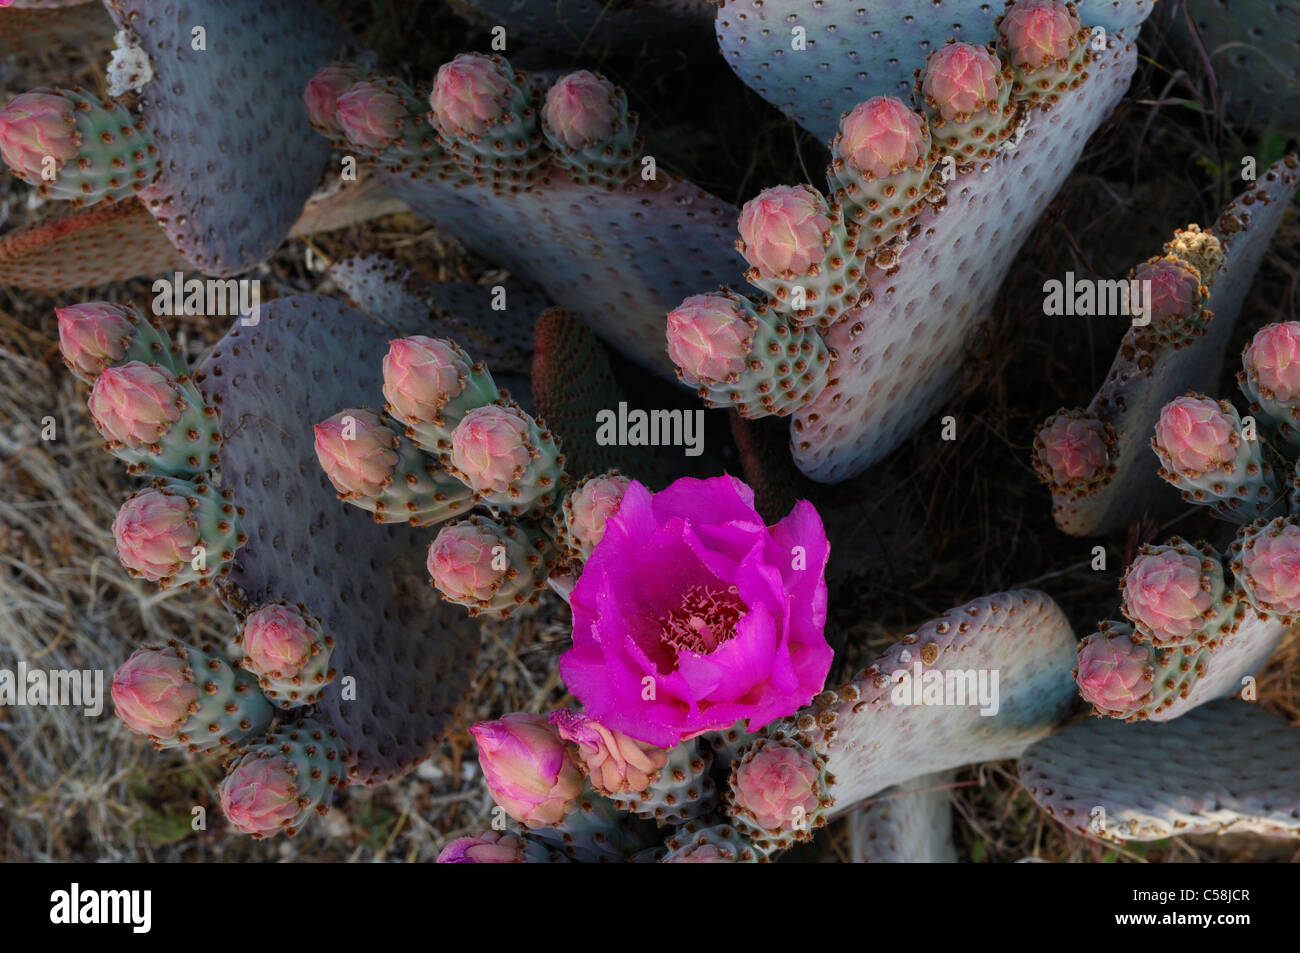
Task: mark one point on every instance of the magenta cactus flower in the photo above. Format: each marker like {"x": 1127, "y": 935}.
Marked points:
{"x": 691, "y": 614}
{"x": 323, "y": 91}
{"x": 1114, "y": 672}
{"x": 357, "y": 452}
{"x": 34, "y": 126}
{"x": 155, "y": 534}
{"x": 1196, "y": 434}
{"x": 490, "y": 847}
{"x": 528, "y": 768}
{"x": 469, "y": 95}
{"x": 460, "y": 561}
{"x": 1169, "y": 594}
{"x": 708, "y": 338}
{"x": 1073, "y": 450}
{"x": 369, "y": 115}
{"x": 260, "y": 796}
{"x": 581, "y": 110}
{"x": 492, "y": 447}
{"x": 783, "y": 230}
{"x": 1272, "y": 360}
{"x": 1038, "y": 33}
{"x": 277, "y": 640}
{"x": 421, "y": 374}
{"x": 959, "y": 79}
{"x": 93, "y": 335}
{"x": 882, "y": 136}
{"x": 778, "y": 787}
{"x": 153, "y": 692}
{"x": 614, "y": 763}
{"x": 134, "y": 404}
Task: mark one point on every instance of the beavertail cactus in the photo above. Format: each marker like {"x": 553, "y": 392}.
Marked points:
{"x": 182, "y": 697}
{"x": 154, "y": 420}
{"x": 178, "y": 532}
{"x": 285, "y": 648}
{"x": 1176, "y": 593}
{"x": 745, "y": 356}
{"x": 1073, "y": 453}
{"x": 779, "y": 793}
{"x": 1266, "y": 561}
{"x": 587, "y": 123}
{"x": 1270, "y": 378}
{"x": 507, "y": 459}
{"x": 1047, "y": 47}
{"x": 614, "y": 763}
{"x": 967, "y": 95}
{"x": 429, "y": 385}
{"x": 488, "y": 566}
{"x": 529, "y": 770}
{"x": 1205, "y": 453}
{"x": 283, "y": 781}
{"x": 99, "y": 334}
{"x": 586, "y": 510}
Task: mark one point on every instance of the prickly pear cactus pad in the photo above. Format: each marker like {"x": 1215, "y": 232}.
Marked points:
{"x": 230, "y": 188}
{"x": 911, "y": 824}
{"x": 1143, "y": 379}
{"x": 1020, "y": 638}
{"x": 816, "y": 61}
{"x": 402, "y": 655}
{"x": 1225, "y": 768}
{"x": 895, "y": 355}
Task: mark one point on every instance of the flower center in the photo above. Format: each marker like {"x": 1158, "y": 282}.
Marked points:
{"x": 705, "y": 619}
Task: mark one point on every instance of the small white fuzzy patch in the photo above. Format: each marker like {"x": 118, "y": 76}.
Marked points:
{"x": 129, "y": 70}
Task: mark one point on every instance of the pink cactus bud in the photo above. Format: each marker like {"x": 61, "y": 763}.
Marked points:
{"x": 421, "y": 374}
{"x": 278, "y": 641}
{"x": 491, "y": 447}
{"x": 1273, "y": 359}
{"x": 783, "y": 230}
{"x": 1114, "y": 672}
{"x": 155, "y": 534}
{"x": 153, "y": 693}
{"x": 1271, "y": 563}
{"x": 369, "y": 115}
{"x": 34, "y": 126}
{"x": 882, "y": 136}
{"x": 960, "y": 79}
{"x": 323, "y": 92}
{"x": 260, "y": 796}
{"x": 708, "y": 338}
{"x": 581, "y": 110}
{"x": 93, "y": 335}
{"x": 135, "y": 404}
{"x": 490, "y": 847}
{"x": 460, "y": 561}
{"x": 615, "y": 763}
{"x": 357, "y": 452}
{"x": 1073, "y": 449}
{"x": 1168, "y": 593}
{"x": 1197, "y": 434}
{"x": 778, "y": 785}
{"x": 469, "y": 95}
{"x": 1175, "y": 289}
{"x": 1037, "y": 33}
{"x": 590, "y": 505}
{"x": 527, "y": 768}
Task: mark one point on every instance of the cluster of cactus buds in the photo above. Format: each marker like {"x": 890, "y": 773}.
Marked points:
{"x": 453, "y": 444}
{"x": 815, "y": 258}
{"x": 481, "y": 121}
{"x": 184, "y": 530}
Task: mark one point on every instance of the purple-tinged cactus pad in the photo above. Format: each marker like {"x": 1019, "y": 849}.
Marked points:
{"x": 856, "y": 49}
{"x": 620, "y": 260}
{"x": 80, "y": 248}
{"x": 907, "y": 824}
{"x": 239, "y": 157}
{"x": 29, "y": 25}
{"x": 408, "y": 653}
{"x": 898, "y": 356}
{"x": 1226, "y": 768}
{"x": 1138, "y": 385}
{"x": 871, "y": 742}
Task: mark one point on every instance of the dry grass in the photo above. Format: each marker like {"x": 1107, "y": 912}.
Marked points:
{"x": 936, "y": 525}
